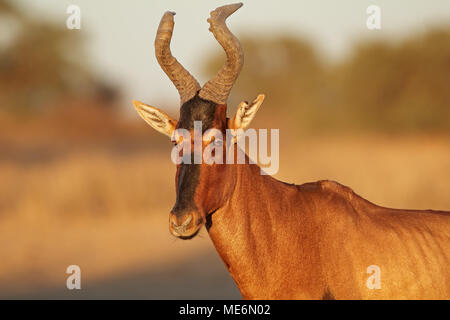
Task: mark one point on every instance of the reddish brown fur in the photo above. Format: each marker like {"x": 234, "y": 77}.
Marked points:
{"x": 316, "y": 240}
{"x": 283, "y": 241}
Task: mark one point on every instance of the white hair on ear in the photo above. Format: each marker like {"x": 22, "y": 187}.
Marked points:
{"x": 156, "y": 118}
{"x": 246, "y": 112}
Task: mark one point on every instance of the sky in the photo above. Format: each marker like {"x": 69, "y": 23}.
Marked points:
{"x": 120, "y": 34}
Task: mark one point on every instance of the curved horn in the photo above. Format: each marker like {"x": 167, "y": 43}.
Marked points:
{"x": 185, "y": 83}
{"x": 218, "y": 88}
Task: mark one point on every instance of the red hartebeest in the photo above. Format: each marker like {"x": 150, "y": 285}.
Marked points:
{"x": 281, "y": 241}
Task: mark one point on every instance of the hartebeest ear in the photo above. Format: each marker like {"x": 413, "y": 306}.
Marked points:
{"x": 158, "y": 119}
{"x": 245, "y": 113}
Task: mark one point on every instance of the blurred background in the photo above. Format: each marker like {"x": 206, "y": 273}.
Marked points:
{"x": 84, "y": 181}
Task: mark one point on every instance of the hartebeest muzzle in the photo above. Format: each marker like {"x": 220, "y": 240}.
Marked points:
{"x": 185, "y": 226}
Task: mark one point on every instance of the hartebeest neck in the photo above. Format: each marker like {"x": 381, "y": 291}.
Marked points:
{"x": 253, "y": 231}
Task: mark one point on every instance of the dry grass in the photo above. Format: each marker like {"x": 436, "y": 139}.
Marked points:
{"x": 108, "y": 213}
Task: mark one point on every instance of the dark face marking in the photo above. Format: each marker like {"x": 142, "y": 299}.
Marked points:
{"x": 188, "y": 175}
{"x": 197, "y": 109}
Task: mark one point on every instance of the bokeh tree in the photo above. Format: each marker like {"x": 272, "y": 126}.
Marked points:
{"x": 380, "y": 86}
{"x": 40, "y": 63}
{"x": 405, "y": 86}
{"x": 286, "y": 69}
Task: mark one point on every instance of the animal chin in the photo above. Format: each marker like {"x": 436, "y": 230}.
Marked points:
{"x": 190, "y": 236}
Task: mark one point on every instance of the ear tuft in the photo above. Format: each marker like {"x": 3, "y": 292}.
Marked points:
{"x": 246, "y": 112}
{"x": 156, "y": 118}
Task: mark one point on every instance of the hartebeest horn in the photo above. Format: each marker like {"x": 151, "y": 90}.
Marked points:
{"x": 218, "y": 88}
{"x": 185, "y": 83}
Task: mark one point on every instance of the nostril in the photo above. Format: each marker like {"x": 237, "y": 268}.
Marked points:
{"x": 187, "y": 221}
{"x": 185, "y": 225}
{"x": 181, "y": 221}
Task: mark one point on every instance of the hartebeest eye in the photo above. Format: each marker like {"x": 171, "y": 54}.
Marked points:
{"x": 176, "y": 141}
{"x": 218, "y": 142}
{"x": 179, "y": 136}
{"x": 212, "y": 136}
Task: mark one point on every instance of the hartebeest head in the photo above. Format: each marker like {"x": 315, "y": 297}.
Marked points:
{"x": 201, "y": 188}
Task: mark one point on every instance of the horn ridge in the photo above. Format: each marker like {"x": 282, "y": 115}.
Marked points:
{"x": 218, "y": 88}
{"x": 185, "y": 83}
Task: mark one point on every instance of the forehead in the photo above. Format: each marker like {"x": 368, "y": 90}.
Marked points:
{"x": 197, "y": 109}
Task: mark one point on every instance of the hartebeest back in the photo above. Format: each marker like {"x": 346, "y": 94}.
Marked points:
{"x": 281, "y": 241}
